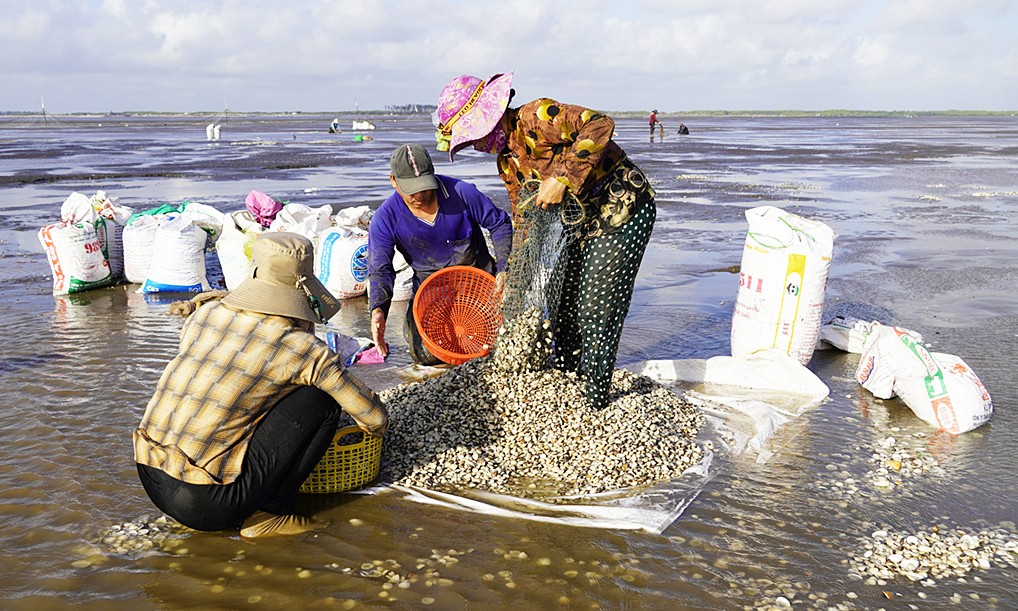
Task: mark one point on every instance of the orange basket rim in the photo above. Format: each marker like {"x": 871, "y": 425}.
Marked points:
{"x": 453, "y": 358}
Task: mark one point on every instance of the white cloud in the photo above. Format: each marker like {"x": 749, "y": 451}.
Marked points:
{"x": 871, "y": 53}
{"x": 187, "y": 55}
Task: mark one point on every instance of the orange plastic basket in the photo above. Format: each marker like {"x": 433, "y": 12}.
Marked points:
{"x": 457, "y": 313}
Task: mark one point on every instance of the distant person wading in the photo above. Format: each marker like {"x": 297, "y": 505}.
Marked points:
{"x": 653, "y": 121}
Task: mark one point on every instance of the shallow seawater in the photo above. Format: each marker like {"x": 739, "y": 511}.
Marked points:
{"x": 925, "y": 214}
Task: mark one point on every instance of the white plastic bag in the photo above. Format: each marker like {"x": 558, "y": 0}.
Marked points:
{"x": 234, "y": 246}
{"x": 939, "y": 388}
{"x": 751, "y": 396}
{"x": 782, "y": 282}
{"x": 341, "y": 262}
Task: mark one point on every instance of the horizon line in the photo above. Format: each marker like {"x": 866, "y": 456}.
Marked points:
{"x": 691, "y": 112}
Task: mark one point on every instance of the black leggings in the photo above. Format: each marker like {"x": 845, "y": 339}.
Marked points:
{"x": 283, "y": 451}
{"x": 596, "y": 291}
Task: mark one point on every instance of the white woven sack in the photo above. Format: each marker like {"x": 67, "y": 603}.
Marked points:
{"x": 206, "y": 217}
{"x": 178, "y": 258}
{"x": 112, "y": 233}
{"x": 771, "y": 371}
{"x": 403, "y": 287}
{"x": 78, "y": 209}
{"x": 357, "y": 217}
{"x": 888, "y": 353}
{"x": 234, "y": 246}
{"x": 783, "y": 277}
{"x": 111, "y": 241}
{"x": 139, "y": 239}
{"x": 341, "y": 262}
{"x": 941, "y": 389}
{"x": 75, "y": 257}
{"x": 110, "y": 207}
{"x": 305, "y": 220}
{"x": 846, "y": 333}
{"x": 949, "y": 397}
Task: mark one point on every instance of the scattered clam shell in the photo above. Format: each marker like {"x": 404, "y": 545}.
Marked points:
{"x": 143, "y": 535}
{"x": 939, "y": 553}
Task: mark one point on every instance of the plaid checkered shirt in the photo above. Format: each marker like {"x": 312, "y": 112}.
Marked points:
{"x": 232, "y": 368}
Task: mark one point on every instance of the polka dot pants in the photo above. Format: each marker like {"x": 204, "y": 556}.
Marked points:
{"x": 596, "y": 292}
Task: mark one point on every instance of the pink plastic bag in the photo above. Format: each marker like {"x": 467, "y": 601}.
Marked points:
{"x": 370, "y": 356}
{"x": 262, "y": 207}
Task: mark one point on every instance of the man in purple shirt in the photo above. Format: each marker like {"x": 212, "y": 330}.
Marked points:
{"x": 434, "y": 222}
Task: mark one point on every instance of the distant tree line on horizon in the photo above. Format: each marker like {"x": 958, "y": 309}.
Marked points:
{"x": 411, "y": 109}
{"x": 822, "y": 113}
{"x": 427, "y": 109}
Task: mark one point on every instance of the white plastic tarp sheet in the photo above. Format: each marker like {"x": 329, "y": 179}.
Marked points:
{"x": 745, "y": 401}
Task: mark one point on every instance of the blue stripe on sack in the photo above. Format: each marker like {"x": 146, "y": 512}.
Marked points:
{"x": 326, "y": 267}
{"x": 156, "y": 287}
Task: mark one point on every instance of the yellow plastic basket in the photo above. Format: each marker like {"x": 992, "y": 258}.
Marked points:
{"x": 347, "y": 466}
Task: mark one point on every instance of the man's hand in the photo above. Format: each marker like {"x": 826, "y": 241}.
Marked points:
{"x": 550, "y": 192}
{"x": 500, "y": 280}
{"x": 378, "y": 331}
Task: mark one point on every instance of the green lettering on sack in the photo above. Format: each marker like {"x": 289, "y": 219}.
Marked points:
{"x": 936, "y": 385}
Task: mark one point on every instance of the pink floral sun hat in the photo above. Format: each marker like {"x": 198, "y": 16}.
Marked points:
{"x": 469, "y": 108}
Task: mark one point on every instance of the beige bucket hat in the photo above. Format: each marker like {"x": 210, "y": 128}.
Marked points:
{"x": 283, "y": 280}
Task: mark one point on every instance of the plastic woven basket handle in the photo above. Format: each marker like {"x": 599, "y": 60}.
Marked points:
{"x": 350, "y": 430}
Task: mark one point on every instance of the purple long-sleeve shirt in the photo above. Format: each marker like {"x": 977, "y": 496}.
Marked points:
{"x": 455, "y": 238}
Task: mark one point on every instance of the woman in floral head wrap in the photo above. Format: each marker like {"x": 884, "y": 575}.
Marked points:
{"x": 566, "y": 148}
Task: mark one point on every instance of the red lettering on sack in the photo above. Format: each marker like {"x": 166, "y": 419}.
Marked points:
{"x": 747, "y": 282}
{"x": 964, "y": 371}
{"x": 865, "y": 370}
{"x": 51, "y": 253}
{"x": 944, "y": 412}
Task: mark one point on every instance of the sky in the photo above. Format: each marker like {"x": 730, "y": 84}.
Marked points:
{"x": 74, "y": 56}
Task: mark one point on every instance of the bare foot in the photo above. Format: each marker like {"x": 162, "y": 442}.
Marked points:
{"x": 264, "y": 524}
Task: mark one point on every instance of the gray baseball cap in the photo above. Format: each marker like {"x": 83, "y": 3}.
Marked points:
{"x": 411, "y": 166}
